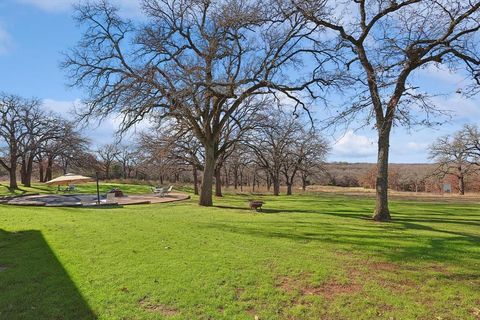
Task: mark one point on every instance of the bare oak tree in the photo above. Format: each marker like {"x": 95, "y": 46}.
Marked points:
{"x": 107, "y": 155}
{"x": 383, "y": 43}
{"x": 306, "y": 156}
{"x": 195, "y": 61}
{"x": 67, "y": 147}
{"x": 271, "y": 145}
{"x": 41, "y": 126}
{"x": 453, "y": 158}
{"x": 472, "y": 136}
{"x": 14, "y": 112}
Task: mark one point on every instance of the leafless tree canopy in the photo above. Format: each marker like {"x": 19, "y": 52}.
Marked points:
{"x": 201, "y": 62}
{"x": 382, "y": 44}
{"x": 457, "y": 155}
{"x": 196, "y": 61}
{"x": 283, "y": 147}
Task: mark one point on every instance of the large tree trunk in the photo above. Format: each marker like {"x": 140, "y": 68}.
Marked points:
{"x": 48, "y": 171}
{"x": 241, "y": 180}
{"x": 23, "y": 171}
{"x": 195, "y": 179}
{"x": 304, "y": 183}
{"x": 382, "y": 213}
{"x": 461, "y": 184}
{"x": 28, "y": 172}
{"x": 13, "y": 178}
{"x": 235, "y": 178}
{"x": 254, "y": 181}
{"x": 207, "y": 180}
{"x": 65, "y": 166}
{"x": 218, "y": 182}
{"x": 41, "y": 172}
{"x": 289, "y": 189}
{"x": 227, "y": 178}
{"x": 276, "y": 185}
{"x": 13, "y": 171}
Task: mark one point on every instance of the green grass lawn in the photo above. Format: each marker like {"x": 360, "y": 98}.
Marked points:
{"x": 305, "y": 257}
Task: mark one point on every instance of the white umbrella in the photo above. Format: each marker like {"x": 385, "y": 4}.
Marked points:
{"x": 69, "y": 178}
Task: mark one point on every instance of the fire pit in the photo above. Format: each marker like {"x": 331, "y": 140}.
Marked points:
{"x": 118, "y": 193}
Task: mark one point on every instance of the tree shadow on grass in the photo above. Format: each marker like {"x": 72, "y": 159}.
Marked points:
{"x": 45, "y": 189}
{"x": 431, "y": 233}
{"x": 348, "y": 213}
{"x": 233, "y": 208}
{"x": 400, "y": 241}
{"x": 13, "y": 191}
{"x": 101, "y": 207}
{"x": 34, "y": 284}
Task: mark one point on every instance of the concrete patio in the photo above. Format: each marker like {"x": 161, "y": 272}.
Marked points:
{"x": 80, "y": 200}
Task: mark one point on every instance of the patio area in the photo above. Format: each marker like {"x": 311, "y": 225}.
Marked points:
{"x": 87, "y": 200}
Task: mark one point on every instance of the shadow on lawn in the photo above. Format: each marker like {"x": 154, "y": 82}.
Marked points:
{"x": 34, "y": 284}
{"x": 431, "y": 238}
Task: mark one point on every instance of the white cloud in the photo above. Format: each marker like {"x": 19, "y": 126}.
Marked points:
{"x": 462, "y": 109}
{"x": 416, "y": 146}
{"x": 128, "y": 7}
{"x": 5, "y": 41}
{"x": 441, "y": 73}
{"x": 352, "y": 145}
{"x": 101, "y": 131}
{"x": 64, "y": 108}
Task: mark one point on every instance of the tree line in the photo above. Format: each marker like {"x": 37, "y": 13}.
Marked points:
{"x": 31, "y": 136}
{"x": 259, "y": 151}
{"x": 458, "y": 155}
{"x": 275, "y": 150}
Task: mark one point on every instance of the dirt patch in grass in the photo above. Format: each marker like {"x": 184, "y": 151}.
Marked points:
{"x": 251, "y": 311}
{"x": 439, "y": 268}
{"x": 382, "y": 266}
{"x": 165, "y": 310}
{"x": 238, "y": 293}
{"x": 329, "y": 289}
{"x": 475, "y": 312}
{"x": 3, "y": 267}
{"x": 380, "y": 273}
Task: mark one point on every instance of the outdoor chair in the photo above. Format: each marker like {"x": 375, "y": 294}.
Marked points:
{"x": 168, "y": 191}
{"x": 70, "y": 188}
{"x": 159, "y": 192}
{"x": 110, "y": 197}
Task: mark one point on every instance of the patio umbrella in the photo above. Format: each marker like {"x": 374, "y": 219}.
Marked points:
{"x": 73, "y": 178}
{"x": 69, "y": 178}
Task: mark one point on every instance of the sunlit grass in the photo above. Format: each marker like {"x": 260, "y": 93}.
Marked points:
{"x": 304, "y": 257}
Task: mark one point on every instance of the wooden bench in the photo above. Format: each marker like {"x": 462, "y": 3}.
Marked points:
{"x": 256, "y": 205}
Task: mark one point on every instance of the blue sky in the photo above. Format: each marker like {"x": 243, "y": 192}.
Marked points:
{"x": 34, "y": 33}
